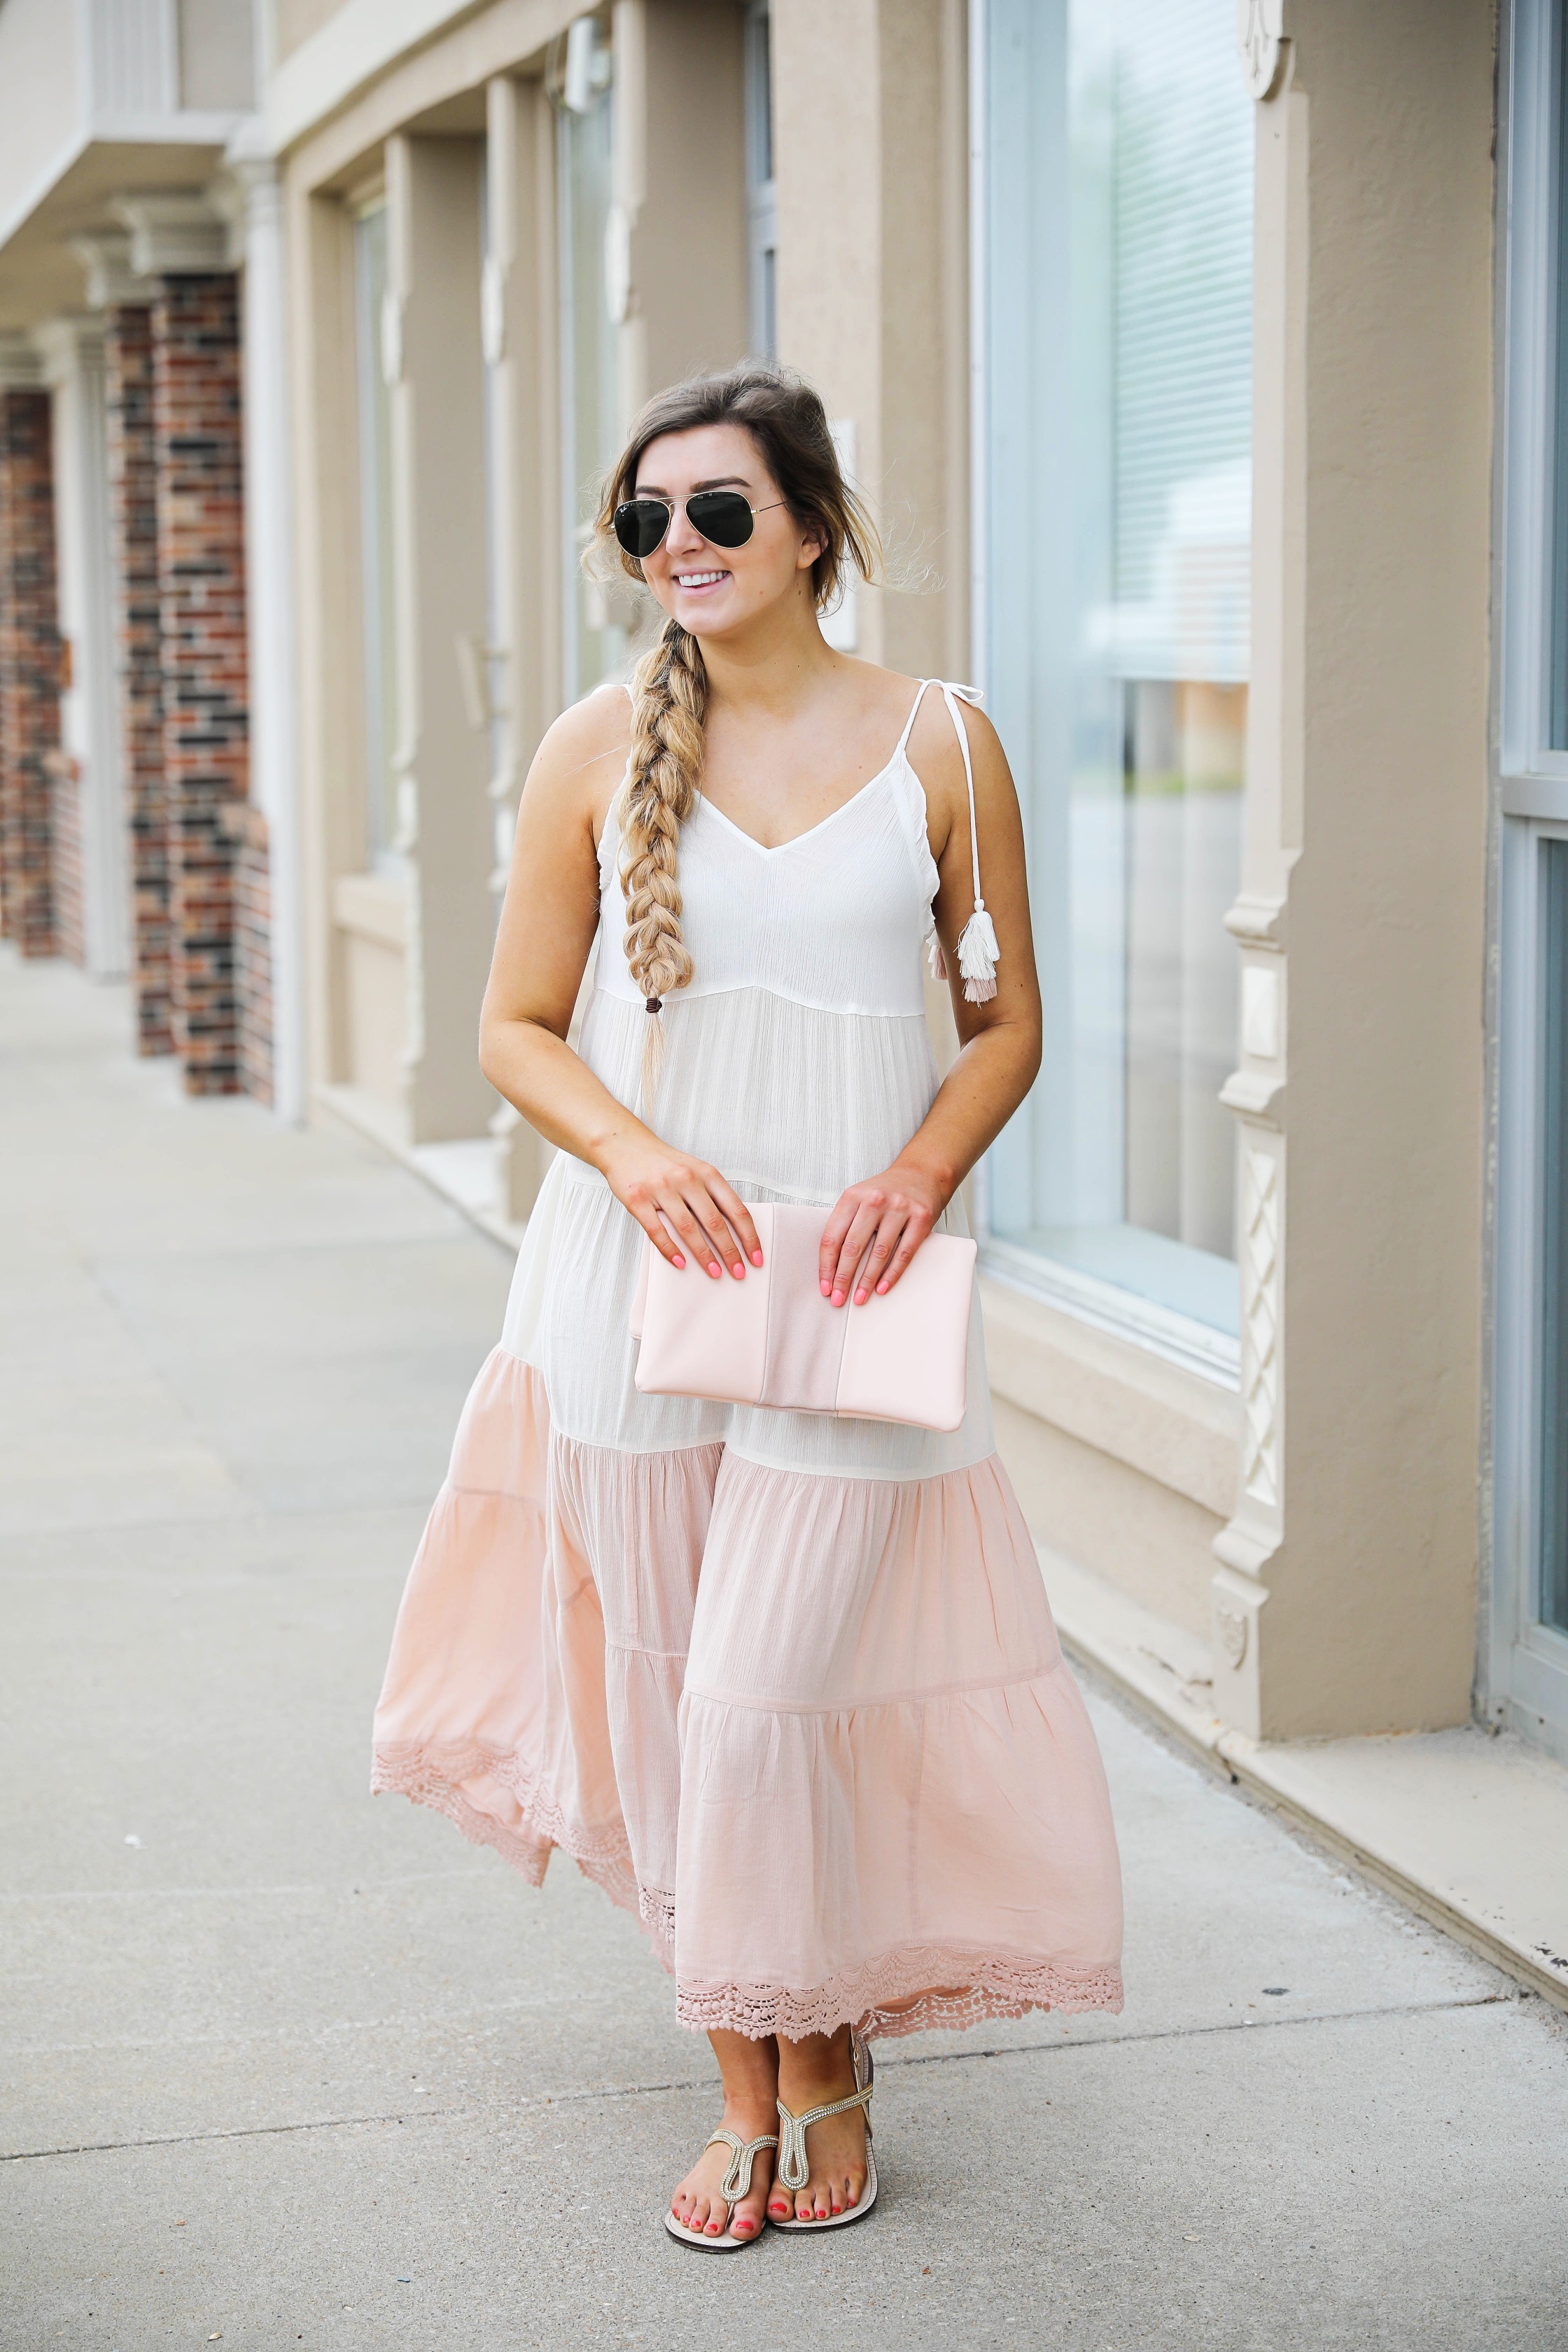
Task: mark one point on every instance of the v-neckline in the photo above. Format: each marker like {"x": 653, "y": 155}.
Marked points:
{"x": 778, "y": 847}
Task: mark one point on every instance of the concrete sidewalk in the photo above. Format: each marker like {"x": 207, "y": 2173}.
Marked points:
{"x": 284, "y": 2066}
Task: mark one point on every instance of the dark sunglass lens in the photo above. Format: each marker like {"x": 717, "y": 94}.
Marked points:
{"x": 640, "y": 525}
{"x": 723, "y": 516}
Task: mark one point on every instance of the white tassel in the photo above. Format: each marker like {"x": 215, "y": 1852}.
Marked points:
{"x": 934, "y": 956}
{"x": 978, "y": 956}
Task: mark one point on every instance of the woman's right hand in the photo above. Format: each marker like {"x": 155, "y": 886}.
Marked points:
{"x": 670, "y": 1192}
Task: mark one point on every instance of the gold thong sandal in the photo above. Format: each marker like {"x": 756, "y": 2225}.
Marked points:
{"x": 792, "y": 2171}
{"x": 731, "y": 2189}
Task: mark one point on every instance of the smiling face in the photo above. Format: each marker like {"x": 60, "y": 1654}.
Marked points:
{"x": 710, "y": 590}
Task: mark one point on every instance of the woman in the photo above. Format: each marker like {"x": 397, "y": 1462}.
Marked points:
{"x": 785, "y": 1684}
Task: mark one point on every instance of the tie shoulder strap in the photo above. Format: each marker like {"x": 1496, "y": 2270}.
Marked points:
{"x": 902, "y": 744}
{"x": 978, "y": 954}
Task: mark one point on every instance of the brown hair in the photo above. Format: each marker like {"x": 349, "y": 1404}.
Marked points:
{"x": 670, "y": 686}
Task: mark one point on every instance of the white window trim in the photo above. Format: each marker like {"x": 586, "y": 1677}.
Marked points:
{"x": 762, "y": 207}
{"x": 1523, "y": 1681}
{"x": 1179, "y": 1338}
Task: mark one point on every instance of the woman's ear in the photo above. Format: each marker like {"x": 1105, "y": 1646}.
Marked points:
{"x": 812, "y": 547}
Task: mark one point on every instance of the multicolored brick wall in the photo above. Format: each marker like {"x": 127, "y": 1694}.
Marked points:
{"x": 196, "y": 435}
{"x": 29, "y": 670}
{"x": 133, "y": 513}
{"x": 253, "y": 949}
{"x": 64, "y": 856}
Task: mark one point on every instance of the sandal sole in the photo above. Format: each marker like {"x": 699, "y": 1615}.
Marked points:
{"x": 724, "y": 2244}
{"x": 836, "y": 2221}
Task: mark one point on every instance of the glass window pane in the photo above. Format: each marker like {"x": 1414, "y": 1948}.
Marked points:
{"x": 376, "y": 537}
{"x": 1119, "y": 152}
{"x": 1557, "y": 716}
{"x": 1552, "y": 1608}
{"x": 761, "y": 210}
{"x": 596, "y": 636}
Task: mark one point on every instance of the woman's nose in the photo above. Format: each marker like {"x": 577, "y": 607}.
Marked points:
{"x": 681, "y": 537}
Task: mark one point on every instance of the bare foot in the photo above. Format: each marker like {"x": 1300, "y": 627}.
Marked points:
{"x": 811, "y": 2073}
{"x": 750, "y": 2073}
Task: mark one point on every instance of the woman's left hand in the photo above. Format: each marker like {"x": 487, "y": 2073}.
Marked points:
{"x": 889, "y": 1216}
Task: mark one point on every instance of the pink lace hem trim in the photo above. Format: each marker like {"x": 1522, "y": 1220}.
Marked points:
{"x": 433, "y": 1778}
{"x": 978, "y": 1985}
{"x": 947, "y": 1987}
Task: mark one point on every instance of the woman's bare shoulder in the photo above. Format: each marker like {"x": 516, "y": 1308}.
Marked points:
{"x": 933, "y": 744}
{"x": 581, "y": 759}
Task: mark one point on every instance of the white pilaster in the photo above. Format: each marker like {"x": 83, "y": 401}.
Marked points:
{"x": 269, "y": 556}
{"x": 72, "y": 351}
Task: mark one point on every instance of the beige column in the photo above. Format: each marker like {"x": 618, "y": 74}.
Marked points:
{"x": 329, "y": 626}
{"x": 523, "y": 355}
{"x": 1346, "y": 1598}
{"x": 434, "y": 362}
{"x": 676, "y": 252}
{"x": 870, "y": 106}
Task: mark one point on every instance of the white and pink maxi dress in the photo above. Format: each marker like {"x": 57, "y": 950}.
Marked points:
{"x": 786, "y": 1686}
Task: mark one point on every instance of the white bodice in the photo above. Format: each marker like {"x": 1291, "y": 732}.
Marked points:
{"x": 835, "y": 918}
{"x": 798, "y": 1061}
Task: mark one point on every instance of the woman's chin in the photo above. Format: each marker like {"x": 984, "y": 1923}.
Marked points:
{"x": 705, "y": 615}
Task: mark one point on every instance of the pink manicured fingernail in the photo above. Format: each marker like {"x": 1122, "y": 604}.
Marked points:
{"x": 714, "y": 1268}
{"x": 826, "y": 1289}
{"x": 756, "y": 1257}
{"x": 881, "y": 1290}
{"x": 861, "y": 1297}
{"x": 838, "y": 1298}
{"x": 739, "y": 1272}
{"x": 678, "y": 1260}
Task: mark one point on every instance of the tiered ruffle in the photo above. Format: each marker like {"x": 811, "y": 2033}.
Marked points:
{"x": 815, "y": 1731}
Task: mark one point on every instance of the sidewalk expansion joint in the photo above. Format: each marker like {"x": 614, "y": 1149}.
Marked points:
{"x": 705, "y": 2083}
{"x": 239, "y": 2131}
{"x": 1196, "y": 2033}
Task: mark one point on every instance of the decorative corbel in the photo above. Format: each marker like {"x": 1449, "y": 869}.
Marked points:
{"x": 1261, "y": 42}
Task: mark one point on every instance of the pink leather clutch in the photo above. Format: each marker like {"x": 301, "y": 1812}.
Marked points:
{"x": 774, "y": 1339}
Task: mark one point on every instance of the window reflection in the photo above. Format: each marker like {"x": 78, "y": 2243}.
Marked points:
{"x": 1116, "y": 527}
{"x": 595, "y": 633}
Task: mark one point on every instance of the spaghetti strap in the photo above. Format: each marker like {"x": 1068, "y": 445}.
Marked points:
{"x": 914, "y": 713}
{"x": 978, "y": 954}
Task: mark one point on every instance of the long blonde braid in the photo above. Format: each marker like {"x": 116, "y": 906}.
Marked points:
{"x": 670, "y": 703}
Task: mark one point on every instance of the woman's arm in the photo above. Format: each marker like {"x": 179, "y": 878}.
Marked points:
{"x": 546, "y": 932}
{"x": 890, "y": 1215}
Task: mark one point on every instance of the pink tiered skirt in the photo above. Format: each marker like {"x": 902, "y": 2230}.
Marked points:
{"x": 816, "y": 1731}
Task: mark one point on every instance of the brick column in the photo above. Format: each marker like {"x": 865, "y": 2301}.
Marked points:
{"x": 29, "y": 670}
{"x": 253, "y": 918}
{"x": 65, "y": 892}
{"x": 202, "y": 627}
{"x": 133, "y": 499}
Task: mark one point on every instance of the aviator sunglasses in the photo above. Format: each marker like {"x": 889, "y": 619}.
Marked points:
{"x": 724, "y": 518}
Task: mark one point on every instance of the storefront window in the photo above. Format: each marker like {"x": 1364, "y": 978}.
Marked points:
{"x": 375, "y": 536}
{"x": 595, "y": 639}
{"x": 1525, "y": 1661}
{"x": 1114, "y": 585}
{"x": 1552, "y": 1576}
